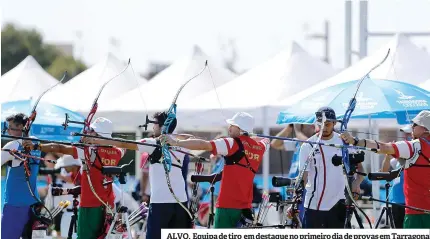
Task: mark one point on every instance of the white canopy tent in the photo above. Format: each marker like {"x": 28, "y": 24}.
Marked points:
{"x": 406, "y": 62}
{"x": 254, "y": 88}
{"x": 290, "y": 71}
{"x": 27, "y": 80}
{"x": 160, "y": 91}
{"x": 78, "y": 94}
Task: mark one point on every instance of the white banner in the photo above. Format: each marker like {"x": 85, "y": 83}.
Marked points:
{"x": 295, "y": 234}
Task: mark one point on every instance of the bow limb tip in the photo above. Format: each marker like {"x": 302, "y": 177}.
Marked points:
{"x": 206, "y": 63}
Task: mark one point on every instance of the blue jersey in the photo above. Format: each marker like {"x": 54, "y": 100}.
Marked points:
{"x": 17, "y": 192}
{"x": 397, "y": 195}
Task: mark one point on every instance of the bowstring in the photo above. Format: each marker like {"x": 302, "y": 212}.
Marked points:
{"x": 222, "y": 112}
{"x": 216, "y": 93}
{"x": 139, "y": 84}
{"x": 408, "y": 118}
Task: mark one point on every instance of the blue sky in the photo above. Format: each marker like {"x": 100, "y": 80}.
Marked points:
{"x": 165, "y": 30}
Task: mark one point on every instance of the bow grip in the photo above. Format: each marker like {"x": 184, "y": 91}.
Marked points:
{"x": 166, "y": 156}
{"x": 168, "y": 122}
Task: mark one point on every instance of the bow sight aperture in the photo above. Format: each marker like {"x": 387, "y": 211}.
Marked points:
{"x": 147, "y": 122}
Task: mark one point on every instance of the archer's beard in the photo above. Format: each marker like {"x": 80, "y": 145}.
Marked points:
{"x": 327, "y": 134}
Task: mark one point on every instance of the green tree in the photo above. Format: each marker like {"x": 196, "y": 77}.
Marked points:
{"x": 17, "y": 43}
{"x": 66, "y": 63}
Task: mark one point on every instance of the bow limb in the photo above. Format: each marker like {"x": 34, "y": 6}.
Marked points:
{"x": 86, "y": 129}
{"x": 298, "y": 197}
{"x": 345, "y": 153}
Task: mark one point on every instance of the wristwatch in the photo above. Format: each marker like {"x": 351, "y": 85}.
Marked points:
{"x": 36, "y": 146}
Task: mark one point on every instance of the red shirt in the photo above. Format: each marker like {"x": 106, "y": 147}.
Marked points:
{"x": 237, "y": 182}
{"x": 108, "y": 157}
{"x": 416, "y": 179}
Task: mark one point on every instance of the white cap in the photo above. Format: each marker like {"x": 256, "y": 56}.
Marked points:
{"x": 103, "y": 127}
{"x": 423, "y": 119}
{"x": 67, "y": 160}
{"x": 407, "y": 129}
{"x": 243, "y": 120}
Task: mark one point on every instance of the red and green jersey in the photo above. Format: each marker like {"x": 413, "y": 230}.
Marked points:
{"x": 237, "y": 182}
{"x": 416, "y": 179}
{"x": 108, "y": 157}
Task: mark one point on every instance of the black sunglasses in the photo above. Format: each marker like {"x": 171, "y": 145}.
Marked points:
{"x": 330, "y": 116}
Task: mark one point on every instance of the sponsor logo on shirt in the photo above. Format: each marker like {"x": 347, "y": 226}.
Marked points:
{"x": 108, "y": 151}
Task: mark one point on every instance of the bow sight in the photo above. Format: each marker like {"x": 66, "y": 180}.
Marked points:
{"x": 147, "y": 122}
{"x": 67, "y": 121}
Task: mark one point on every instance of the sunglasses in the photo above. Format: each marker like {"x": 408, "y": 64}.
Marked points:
{"x": 329, "y": 116}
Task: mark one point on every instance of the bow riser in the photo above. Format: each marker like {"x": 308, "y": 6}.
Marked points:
{"x": 345, "y": 152}
{"x": 166, "y": 159}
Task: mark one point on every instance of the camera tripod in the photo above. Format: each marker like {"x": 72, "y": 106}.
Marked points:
{"x": 386, "y": 209}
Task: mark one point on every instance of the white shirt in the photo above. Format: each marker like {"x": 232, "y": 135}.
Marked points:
{"x": 160, "y": 192}
{"x": 407, "y": 152}
{"x": 6, "y": 156}
{"x": 326, "y": 182}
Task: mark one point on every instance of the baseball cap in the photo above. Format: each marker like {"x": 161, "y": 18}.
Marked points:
{"x": 243, "y": 120}
{"x": 407, "y": 129}
{"x": 329, "y": 114}
{"x": 423, "y": 119}
{"x": 103, "y": 127}
{"x": 67, "y": 160}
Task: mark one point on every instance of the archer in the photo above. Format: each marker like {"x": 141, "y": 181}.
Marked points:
{"x": 325, "y": 190}
{"x": 165, "y": 210}
{"x": 96, "y": 199}
{"x": 243, "y": 155}
{"x": 413, "y": 155}
{"x": 16, "y": 215}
